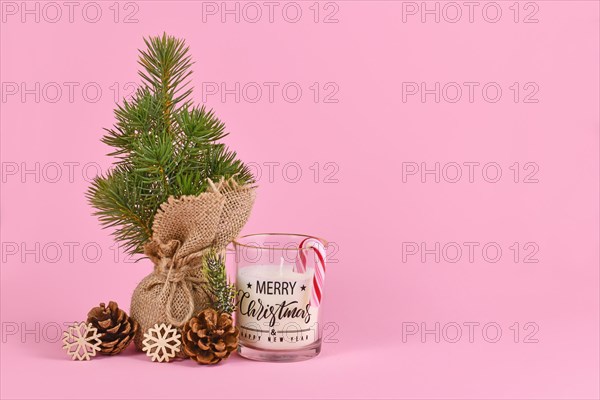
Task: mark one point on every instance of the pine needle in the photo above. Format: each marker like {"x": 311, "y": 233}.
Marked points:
{"x": 220, "y": 289}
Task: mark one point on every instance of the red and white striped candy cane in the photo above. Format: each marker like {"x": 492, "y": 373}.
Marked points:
{"x": 319, "y": 276}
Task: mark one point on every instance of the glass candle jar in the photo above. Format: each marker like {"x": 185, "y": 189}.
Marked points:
{"x": 279, "y": 284}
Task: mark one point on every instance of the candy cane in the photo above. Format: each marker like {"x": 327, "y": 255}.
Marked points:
{"x": 319, "y": 276}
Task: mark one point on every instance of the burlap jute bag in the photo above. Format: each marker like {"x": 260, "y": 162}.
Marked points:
{"x": 184, "y": 230}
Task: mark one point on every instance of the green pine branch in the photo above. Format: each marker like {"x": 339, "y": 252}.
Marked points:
{"x": 220, "y": 289}
{"x": 164, "y": 146}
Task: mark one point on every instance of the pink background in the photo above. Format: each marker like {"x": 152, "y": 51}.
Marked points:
{"x": 371, "y": 293}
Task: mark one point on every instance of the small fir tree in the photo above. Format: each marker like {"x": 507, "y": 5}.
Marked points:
{"x": 164, "y": 145}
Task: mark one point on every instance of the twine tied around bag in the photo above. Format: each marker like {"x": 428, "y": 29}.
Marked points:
{"x": 176, "y": 272}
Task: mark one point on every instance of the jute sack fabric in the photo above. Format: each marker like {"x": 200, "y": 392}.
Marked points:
{"x": 184, "y": 230}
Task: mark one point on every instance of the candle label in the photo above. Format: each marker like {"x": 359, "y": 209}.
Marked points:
{"x": 275, "y": 313}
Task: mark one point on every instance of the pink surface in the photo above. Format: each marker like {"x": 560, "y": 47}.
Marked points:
{"x": 368, "y": 133}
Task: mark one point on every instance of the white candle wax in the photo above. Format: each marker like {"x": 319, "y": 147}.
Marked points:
{"x": 274, "y": 310}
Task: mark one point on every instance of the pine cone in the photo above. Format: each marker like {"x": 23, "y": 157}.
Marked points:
{"x": 209, "y": 337}
{"x": 115, "y": 327}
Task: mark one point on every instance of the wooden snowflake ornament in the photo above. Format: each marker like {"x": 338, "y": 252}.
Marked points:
{"x": 162, "y": 342}
{"x": 81, "y": 341}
